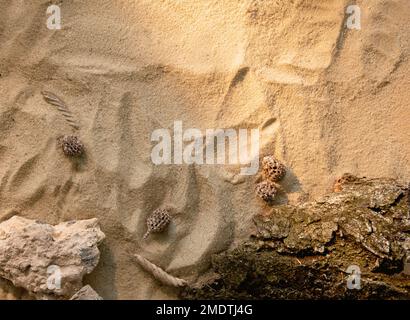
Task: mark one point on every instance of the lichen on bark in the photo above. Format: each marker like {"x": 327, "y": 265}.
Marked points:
{"x": 303, "y": 251}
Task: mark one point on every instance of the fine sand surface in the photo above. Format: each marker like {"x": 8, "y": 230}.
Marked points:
{"x": 327, "y": 99}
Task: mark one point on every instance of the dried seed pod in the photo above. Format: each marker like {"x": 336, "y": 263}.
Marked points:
{"x": 72, "y": 146}
{"x": 157, "y": 221}
{"x": 273, "y": 170}
{"x": 266, "y": 190}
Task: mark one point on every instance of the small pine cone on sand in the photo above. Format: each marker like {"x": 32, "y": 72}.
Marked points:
{"x": 157, "y": 221}
{"x": 266, "y": 190}
{"x": 72, "y": 146}
{"x": 273, "y": 169}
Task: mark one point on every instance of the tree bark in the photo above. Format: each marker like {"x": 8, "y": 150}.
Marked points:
{"x": 305, "y": 251}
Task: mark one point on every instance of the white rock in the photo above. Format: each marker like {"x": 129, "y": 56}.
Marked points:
{"x": 48, "y": 261}
{"x": 86, "y": 293}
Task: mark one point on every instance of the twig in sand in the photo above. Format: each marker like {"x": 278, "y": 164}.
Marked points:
{"x": 160, "y": 274}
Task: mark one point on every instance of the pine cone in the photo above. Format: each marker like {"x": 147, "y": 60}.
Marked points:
{"x": 273, "y": 170}
{"x": 72, "y": 146}
{"x": 266, "y": 190}
{"x": 157, "y": 221}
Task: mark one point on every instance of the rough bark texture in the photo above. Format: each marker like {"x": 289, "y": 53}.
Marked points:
{"x": 304, "y": 251}
{"x": 33, "y": 254}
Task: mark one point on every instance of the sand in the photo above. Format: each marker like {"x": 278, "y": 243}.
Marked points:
{"x": 327, "y": 100}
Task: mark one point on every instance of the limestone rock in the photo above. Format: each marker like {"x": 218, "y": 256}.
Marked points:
{"x": 86, "y": 293}
{"x": 48, "y": 261}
